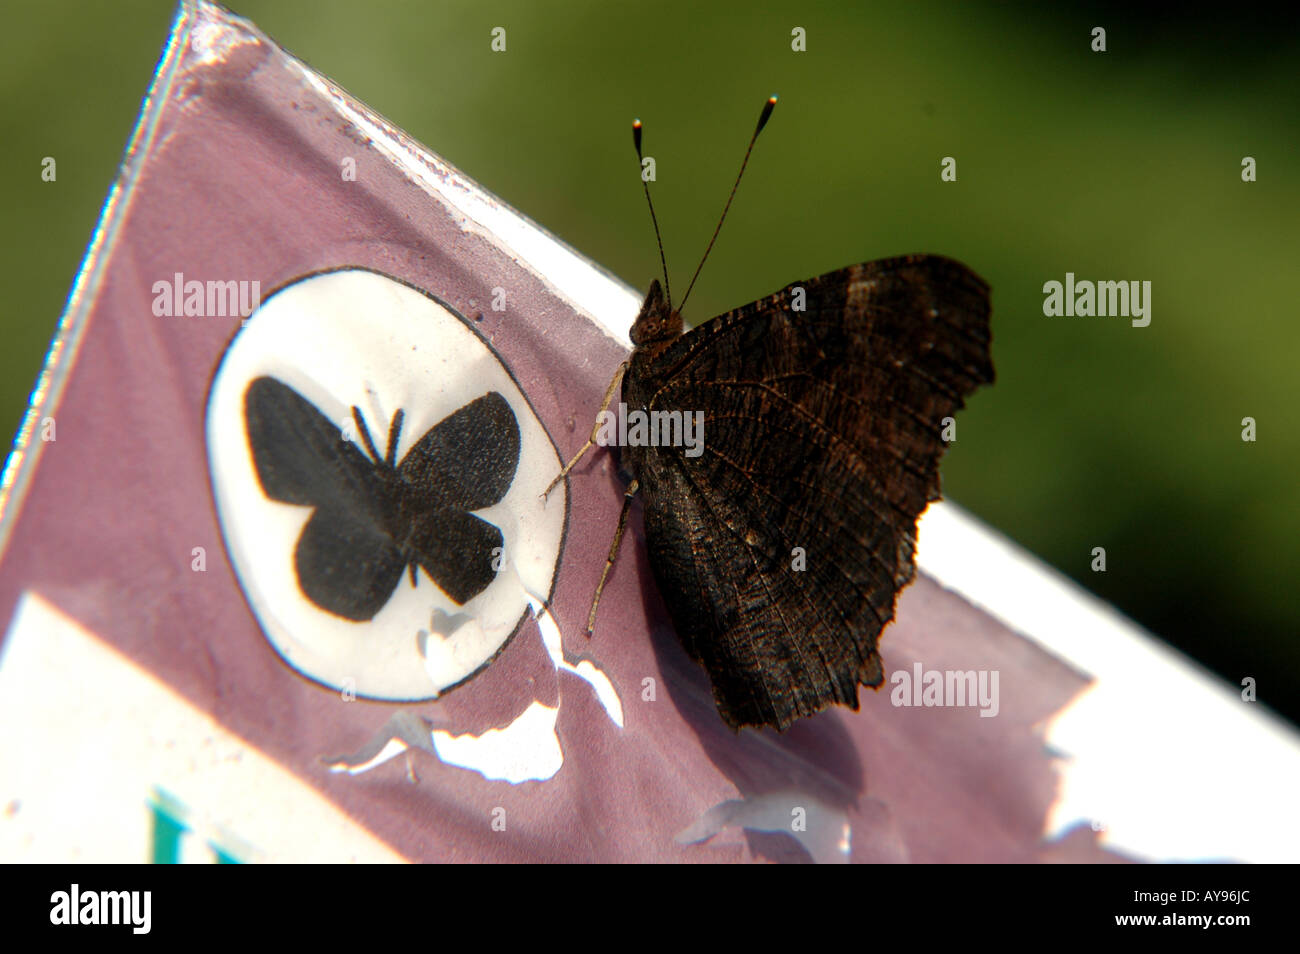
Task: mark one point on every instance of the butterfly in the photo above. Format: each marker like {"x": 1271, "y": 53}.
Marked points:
{"x": 780, "y": 546}
{"x": 781, "y": 549}
{"x": 375, "y": 518}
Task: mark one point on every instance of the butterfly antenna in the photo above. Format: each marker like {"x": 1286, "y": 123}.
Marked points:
{"x": 394, "y": 432}
{"x": 636, "y": 140}
{"x": 763, "y": 117}
{"x": 365, "y": 432}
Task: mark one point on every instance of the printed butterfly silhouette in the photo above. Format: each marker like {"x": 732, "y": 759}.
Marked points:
{"x": 375, "y": 518}
{"x": 780, "y": 549}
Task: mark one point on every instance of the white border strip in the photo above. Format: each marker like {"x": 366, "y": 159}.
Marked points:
{"x": 1162, "y": 757}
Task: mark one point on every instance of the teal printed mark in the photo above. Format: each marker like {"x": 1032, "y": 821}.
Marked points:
{"x": 172, "y": 822}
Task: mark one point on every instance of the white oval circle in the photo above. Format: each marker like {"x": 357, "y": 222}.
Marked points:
{"x": 349, "y": 338}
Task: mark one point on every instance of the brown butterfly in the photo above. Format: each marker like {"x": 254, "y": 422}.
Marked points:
{"x": 781, "y": 546}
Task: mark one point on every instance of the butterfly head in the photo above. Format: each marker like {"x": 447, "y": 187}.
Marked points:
{"x": 657, "y": 320}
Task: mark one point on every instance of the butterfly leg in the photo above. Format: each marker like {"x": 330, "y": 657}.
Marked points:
{"x": 613, "y": 552}
{"x": 595, "y": 429}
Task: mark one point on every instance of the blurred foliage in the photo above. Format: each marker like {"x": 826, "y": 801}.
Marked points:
{"x": 1122, "y": 165}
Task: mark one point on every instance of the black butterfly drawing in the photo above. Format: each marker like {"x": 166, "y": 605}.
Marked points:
{"x": 375, "y": 518}
{"x": 781, "y": 548}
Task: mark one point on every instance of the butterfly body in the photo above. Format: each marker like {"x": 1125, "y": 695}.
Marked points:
{"x": 780, "y": 549}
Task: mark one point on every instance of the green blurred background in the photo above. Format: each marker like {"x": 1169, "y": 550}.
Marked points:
{"x": 1117, "y": 165}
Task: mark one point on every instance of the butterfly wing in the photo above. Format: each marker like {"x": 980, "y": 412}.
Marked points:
{"x": 347, "y": 563}
{"x": 780, "y": 549}
{"x": 464, "y": 463}
{"x": 456, "y": 549}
